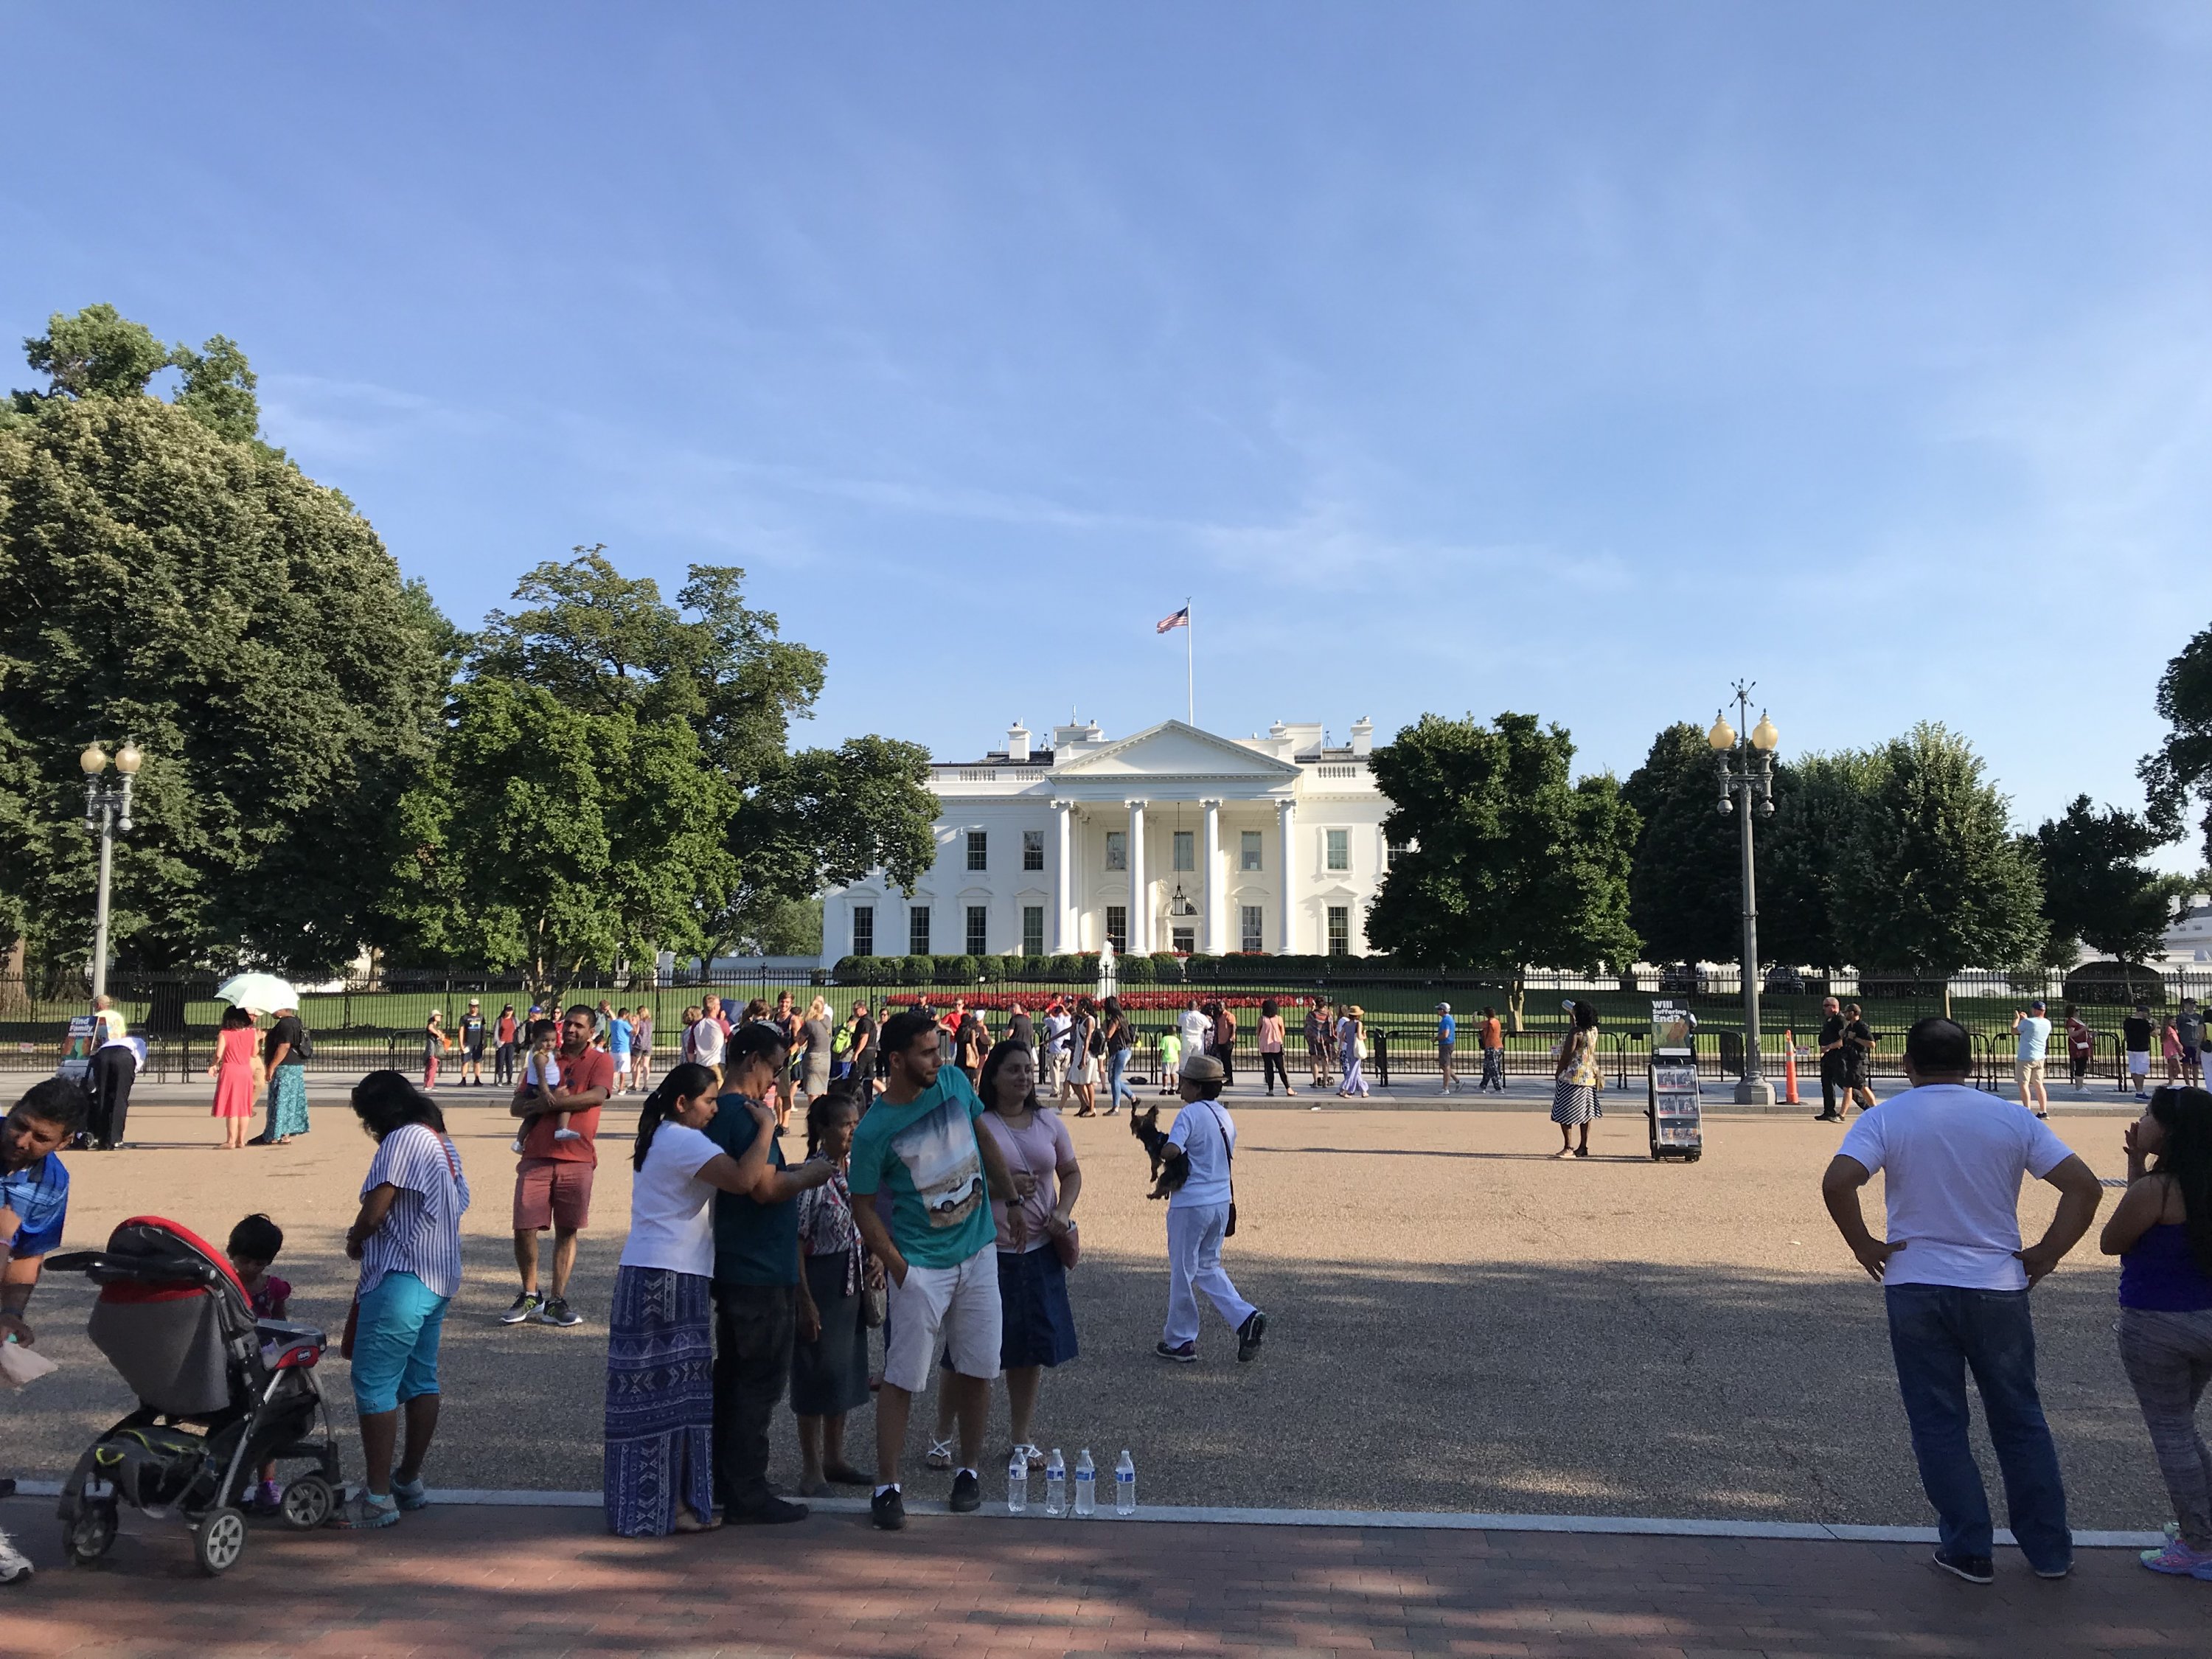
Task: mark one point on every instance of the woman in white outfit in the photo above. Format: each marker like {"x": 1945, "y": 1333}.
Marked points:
{"x": 1201, "y": 1213}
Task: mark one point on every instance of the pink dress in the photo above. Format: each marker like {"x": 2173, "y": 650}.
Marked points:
{"x": 233, "y": 1080}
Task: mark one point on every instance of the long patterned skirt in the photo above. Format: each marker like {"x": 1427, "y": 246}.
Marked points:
{"x": 660, "y": 1401}
{"x": 288, "y": 1101}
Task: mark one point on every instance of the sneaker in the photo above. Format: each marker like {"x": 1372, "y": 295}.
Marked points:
{"x": 2055, "y": 1572}
{"x": 266, "y": 1499}
{"x": 523, "y": 1307}
{"x": 967, "y": 1493}
{"x": 565, "y": 1135}
{"x": 1184, "y": 1353}
{"x": 557, "y": 1311}
{"x": 14, "y": 1564}
{"x": 2178, "y": 1559}
{"x": 1974, "y": 1569}
{"x": 888, "y": 1509}
{"x": 774, "y": 1512}
{"x": 1249, "y": 1334}
{"x": 364, "y": 1511}
{"x": 410, "y": 1494}
{"x": 515, "y": 1145}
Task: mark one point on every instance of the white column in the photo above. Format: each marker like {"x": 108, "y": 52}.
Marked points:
{"x": 1209, "y": 937}
{"x": 1286, "y": 833}
{"x": 1063, "y": 942}
{"x": 1140, "y": 935}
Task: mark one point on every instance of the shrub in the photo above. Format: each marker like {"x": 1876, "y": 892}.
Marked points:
{"x": 1167, "y": 968}
{"x": 916, "y": 971}
{"x": 858, "y": 970}
{"x": 955, "y": 970}
{"x": 1133, "y": 971}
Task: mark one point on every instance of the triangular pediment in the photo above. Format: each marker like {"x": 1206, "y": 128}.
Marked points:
{"x": 1174, "y": 749}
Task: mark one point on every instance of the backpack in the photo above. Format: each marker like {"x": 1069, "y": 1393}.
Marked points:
{"x": 1097, "y": 1039}
{"x": 305, "y": 1047}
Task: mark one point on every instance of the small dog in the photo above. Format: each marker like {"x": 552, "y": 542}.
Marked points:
{"x": 1170, "y": 1169}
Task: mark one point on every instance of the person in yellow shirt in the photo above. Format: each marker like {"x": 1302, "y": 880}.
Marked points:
{"x": 1171, "y": 1059}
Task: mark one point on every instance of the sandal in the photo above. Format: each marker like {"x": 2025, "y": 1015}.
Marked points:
{"x": 689, "y": 1521}
{"x": 940, "y": 1455}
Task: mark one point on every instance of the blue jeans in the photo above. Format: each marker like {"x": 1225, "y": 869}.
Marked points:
{"x": 1117, "y": 1070}
{"x": 1936, "y": 1332}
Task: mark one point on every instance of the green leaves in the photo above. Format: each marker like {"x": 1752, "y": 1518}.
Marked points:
{"x": 2181, "y": 767}
{"x": 2096, "y": 887}
{"x": 1510, "y": 864}
{"x": 1685, "y": 892}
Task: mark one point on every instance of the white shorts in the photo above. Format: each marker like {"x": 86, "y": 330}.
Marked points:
{"x": 961, "y": 1305}
{"x": 2138, "y": 1062}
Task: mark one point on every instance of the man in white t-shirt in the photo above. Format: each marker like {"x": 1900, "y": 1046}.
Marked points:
{"x": 706, "y": 1040}
{"x": 1194, "y": 1028}
{"x": 2033, "y": 1030}
{"x": 1956, "y": 1281}
{"x": 1057, "y": 1025}
{"x": 1201, "y": 1213}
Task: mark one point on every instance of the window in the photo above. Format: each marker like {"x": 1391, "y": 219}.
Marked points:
{"x": 979, "y": 930}
{"x": 1186, "y": 850}
{"x": 1117, "y": 850}
{"x": 917, "y": 930}
{"x": 1249, "y": 859}
{"x": 864, "y": 930}
{"x": 1032, "y": 930}
{"x": 1184, "y": 939}
{"x": 1339, "y": 848}
{"x": 1117, "y": 926}
{"x": 979, "y": 846}
{"x": 1032, "y": 850}
{"x": 1339, "y": 928}
{"x": 1252, "y": 936}
{"x": 1393, "y": 853}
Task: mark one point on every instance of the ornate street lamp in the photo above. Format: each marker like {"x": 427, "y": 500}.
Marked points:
{"x": 106, "y": 812}
{"x": 1746, "y": 767}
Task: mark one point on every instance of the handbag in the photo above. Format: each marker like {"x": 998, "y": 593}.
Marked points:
{"x": 1228, "y": 1152}
{"x": 1068, "y": 1246}
{"x": 876, "y": 1304}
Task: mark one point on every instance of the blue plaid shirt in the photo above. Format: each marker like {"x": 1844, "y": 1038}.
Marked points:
{"x": 38, "y": 1194}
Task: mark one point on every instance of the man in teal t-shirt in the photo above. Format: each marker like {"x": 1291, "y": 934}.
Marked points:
{"x": 918, "y": 1143}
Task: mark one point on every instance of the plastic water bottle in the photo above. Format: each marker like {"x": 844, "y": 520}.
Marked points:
{"x": 1125, "y": 1484}
{"x": 1086, "y": 1483}
{"x": 1017, "y": 1483}
{"x": 1056, "y": 1484}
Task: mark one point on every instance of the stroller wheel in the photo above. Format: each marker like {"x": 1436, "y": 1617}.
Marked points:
{"x": 307, "y": 1503}
{"x": 88, "y": 1536}
{"x": 219, "y": 1540}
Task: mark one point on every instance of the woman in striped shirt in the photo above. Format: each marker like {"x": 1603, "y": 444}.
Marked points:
{"x": 408, "y": 1241}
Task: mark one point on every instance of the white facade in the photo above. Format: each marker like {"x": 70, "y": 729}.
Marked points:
{"x": 1173, "y": 839}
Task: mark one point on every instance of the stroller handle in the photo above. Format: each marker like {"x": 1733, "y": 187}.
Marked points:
{"x": 105, "y": 1269}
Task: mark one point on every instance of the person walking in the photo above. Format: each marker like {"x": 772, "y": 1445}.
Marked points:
{"x": 1574, "y": 1084}
{"x": 1082, "y": 1063}
{"x": 1447, "y": 1040}
{"x": 435, "y": 1043}
{"x": 1221, "y": 1040}
{"x": 1271, "y": 1049}
{"x": 502, "y": 1055}
{"x": 640, "y": 1047}
{"x": 1194, "y": 1025}
{"x": 2134, "y": 1034}
{"x": 2032, "y": 1028}
{"x": 862, "y": 1055}
{"x": 1114, "y": 1026}
{"x": 829, "y": 1358}
{"x": 284, "y": 1060}
{"x": 659, "y": 1462}
{"x": 1831, "y": 1041}
{"x": 2169, "y": 1043}
{"x": 553, "y": 1177}
{"x": 1316, "y": 1034}
{"x": 34, "y": 1210}
{"x": 1351, "y": 1049}
{"x": 236, "y": 1069}
{"x": 1956, "y": 1281}
{"x": 472, "y": 1045}
{"x": 407, "y": 1237}
{"x": 1493, "y": 1052}
{"x": 2161, "y": 1231}
{"x": 619, "y": 1037}
{"x": 2189, "y": 1026}
{"x": 814, "y": 1033}
{"x": 919, "y": 1146}
{"x": 2081, "y": 1047}
{"x": 1201, "y": 1213}
{"x": 1058, "y": 1023}
{"x": 1858, "y": 1058}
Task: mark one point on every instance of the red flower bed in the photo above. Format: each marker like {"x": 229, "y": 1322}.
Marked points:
{"x": 1133, "y": 1001}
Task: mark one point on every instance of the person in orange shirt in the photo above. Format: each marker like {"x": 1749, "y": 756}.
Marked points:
{"x": 1493, "y": 1053}
{"x": 553, "y": 1182}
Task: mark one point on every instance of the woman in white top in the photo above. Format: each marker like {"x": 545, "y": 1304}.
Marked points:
{"x": 660, "y": 1349}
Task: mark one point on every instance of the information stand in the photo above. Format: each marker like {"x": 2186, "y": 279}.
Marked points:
{"x": 1676, "y": 1120}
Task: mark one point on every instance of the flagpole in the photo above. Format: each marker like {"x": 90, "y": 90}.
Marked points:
{"x": 1190, "y": 666}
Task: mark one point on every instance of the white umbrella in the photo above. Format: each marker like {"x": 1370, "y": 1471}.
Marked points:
{"x": 260, "y": 993}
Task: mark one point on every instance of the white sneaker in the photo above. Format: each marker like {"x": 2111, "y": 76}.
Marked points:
{"x": 515, "y": 1146}
{"x": 565, "y": 1135}
{"x": 14, "y": 1564}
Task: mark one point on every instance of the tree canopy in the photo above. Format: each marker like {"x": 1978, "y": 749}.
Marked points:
{"x": 2096, "y": 887}
{"x": 1509, "y": 864}
{"x": 2181, "y": 767}
{"x": 1685, "y": 889}
{"x": 1818, "y": 801}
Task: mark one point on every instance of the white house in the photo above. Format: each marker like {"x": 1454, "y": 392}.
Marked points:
{"x": 1173, "y": 839}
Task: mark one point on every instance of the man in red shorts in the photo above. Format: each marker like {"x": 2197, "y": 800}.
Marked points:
{"x": 553, "y": 1182}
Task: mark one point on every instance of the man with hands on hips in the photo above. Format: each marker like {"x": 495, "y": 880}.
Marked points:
{"x": 33, "y": 1207}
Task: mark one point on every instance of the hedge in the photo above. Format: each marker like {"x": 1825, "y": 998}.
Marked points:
{"x": 1161, "y": 967}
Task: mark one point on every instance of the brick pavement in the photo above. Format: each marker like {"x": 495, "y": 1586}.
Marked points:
{"x": 487, "y": 1582}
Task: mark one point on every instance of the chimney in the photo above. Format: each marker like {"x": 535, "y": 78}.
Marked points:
{"x": 1362, "y": 737}
{"x": 1017, "y": 743}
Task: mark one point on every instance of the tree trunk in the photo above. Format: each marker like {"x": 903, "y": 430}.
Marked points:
{"x": 1516, "y": 996}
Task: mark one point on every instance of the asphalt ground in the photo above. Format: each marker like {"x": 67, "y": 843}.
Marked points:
{"x": 1458, "y": 1323}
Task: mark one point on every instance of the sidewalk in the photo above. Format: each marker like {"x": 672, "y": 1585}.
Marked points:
{"x": 542, "y": 1582}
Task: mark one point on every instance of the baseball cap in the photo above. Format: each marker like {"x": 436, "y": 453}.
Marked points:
{"x": 1201, "y": 1068}
{"x": 1443, "y": 1008}
{"x": 2038, "y": 1003}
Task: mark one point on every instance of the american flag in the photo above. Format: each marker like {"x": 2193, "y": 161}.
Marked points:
{"x": 1180, "y": 619}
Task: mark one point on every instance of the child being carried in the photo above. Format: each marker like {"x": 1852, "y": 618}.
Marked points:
{"x": 541, "y": 1075}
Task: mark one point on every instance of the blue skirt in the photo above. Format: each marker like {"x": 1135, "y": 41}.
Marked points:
{"x": 288, "y": 1101}
{"x": 660, "y": 1401}
{"x": 1037, "y": 1327}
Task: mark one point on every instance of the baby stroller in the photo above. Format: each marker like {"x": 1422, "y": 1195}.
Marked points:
{"x": 219, "y": 1394}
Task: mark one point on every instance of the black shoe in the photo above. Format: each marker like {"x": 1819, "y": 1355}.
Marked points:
{"x": 1827, "y": 1117}
{"x": 774, "y": 1512}
{"x": 967, "y": 1493}
{"x": 1249, "y": 1334}
{"x": 1974, "y": 1569}
{"x": 557, "y": 1311}
{"x": 1183, "y": 1353}
{"x": 888, "y": 1509}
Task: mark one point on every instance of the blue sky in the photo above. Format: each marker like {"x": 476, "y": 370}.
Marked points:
{"x": 1571, "y": 358}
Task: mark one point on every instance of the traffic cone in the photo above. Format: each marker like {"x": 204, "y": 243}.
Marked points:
{"x": 1790, "y": 1067}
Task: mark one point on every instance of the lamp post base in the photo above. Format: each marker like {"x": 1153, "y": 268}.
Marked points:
{"x": 1754, "y": 1092}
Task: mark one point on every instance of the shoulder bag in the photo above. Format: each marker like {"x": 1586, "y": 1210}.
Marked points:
{"x": 1228, "y": 1152}
{"x": 1068, "y": 1246}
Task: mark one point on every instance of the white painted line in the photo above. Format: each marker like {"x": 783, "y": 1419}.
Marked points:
{"x": 1618, "y": 1526}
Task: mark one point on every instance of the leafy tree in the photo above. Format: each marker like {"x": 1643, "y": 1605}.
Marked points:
{"x": 1685, "y": 889}
{"x": 162, "y": 581}
{"x": 1932, "y": 878}
{"x": 2096, "y": 888}
{"x": 1818, "y": 799}
{"x": 1510, "y": 865}
{"x": 2183, "y": 765}
{"x": 218, "y": 389}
